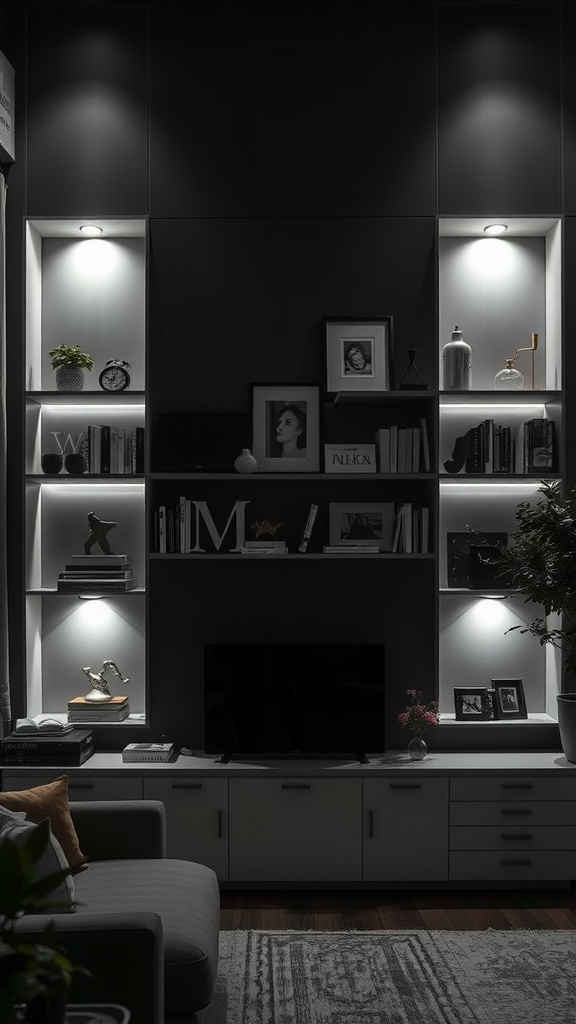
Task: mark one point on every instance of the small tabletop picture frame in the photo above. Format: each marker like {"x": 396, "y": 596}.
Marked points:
{"x": 473, "y": 704}
{"x": 509, "y": 699}
{"x": 359, "y": 354}
{"x": 286, "y": 428}
{"x": 362, "y": 524}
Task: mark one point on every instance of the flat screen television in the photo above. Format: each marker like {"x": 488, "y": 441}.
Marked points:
{"x": 294, "y": 700}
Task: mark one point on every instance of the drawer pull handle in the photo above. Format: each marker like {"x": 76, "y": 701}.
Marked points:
{"x": 186, "y": 785}
{"x": 516, "y": 785}
{"x": 370, "y": 824}
{"x": 220, "y": 820}
{"x": 296, "y": 785}
{"x": 80, "y": 785}
{"x": 521, "y": 837}
{"x": 405, "y": 785}
{"x": 515, "y": 861}
{"x": 517, "y": 812}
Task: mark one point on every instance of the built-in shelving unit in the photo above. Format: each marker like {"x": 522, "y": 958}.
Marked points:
{"x": 498, "y": 291}
{"x": 89, "y": 291}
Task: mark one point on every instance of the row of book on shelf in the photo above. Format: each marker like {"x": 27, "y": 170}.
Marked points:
{"x": 403, "y": 449}
{"x": 108, "y": 449}
{"x": 403, "y": 527}
{"x": 499, "y": 448}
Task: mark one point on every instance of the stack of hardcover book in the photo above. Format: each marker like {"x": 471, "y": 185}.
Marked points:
{"x": 67, "y": 750}
{"x": 114, "y": 710}
{"x": 148, "y": 752}
{"x": 102, "y": 574}
{"x": 264, "y": 547}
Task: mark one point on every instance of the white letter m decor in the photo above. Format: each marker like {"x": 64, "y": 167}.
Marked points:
{"x": 203, "y": 512}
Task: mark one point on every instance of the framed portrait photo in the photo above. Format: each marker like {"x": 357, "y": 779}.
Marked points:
{"x": 473, "y": 704}
{"x": 510, "y": 702}
{"x": 359, "y": 353}
{"x": 362, "y": 524}
{"x": 286, "y": 428}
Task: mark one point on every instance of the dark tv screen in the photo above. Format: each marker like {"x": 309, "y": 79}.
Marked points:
{"x": 292, "y": 700}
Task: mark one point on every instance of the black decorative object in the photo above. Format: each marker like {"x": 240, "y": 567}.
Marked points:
{"x": 485, "y": 567}
{"x": 51, "y": 462}
{"x": 567, "y": 724}
{"x": 115, "y": 376}
{"x": 459, "y": 454}
{"x": 458, "y": 547}
{"x": 412, "y": 379}
{"x": 74, "y": 463}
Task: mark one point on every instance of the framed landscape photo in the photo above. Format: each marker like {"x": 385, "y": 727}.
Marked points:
{"x": 509, "y": 698}
{"x": 359, "y": 353}
{"x": 473, "y": 704}
{"x": 286, "y": 428}
{"x": 362, "y": 524}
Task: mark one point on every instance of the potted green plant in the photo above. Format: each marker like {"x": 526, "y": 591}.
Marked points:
{"x": 69, "y": 363}
{"x": 34, "y": 976}
{"x": 540, "y": 561}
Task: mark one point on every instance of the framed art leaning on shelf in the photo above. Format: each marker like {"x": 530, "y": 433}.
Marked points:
{"x": 286, "y": 431}
{"x": 359, "y": 353}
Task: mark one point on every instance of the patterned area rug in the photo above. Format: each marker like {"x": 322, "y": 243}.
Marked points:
{"x": 396, "y": 977}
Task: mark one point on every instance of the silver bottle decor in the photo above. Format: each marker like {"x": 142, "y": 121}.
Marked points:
{"x": 245, "y": 463}
{"x": 457, "y": 363}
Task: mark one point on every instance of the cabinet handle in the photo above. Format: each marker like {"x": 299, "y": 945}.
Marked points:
{"x": 186, "y": 785}
{"x": 296, "y": 785}
{"x": 515, "y": 861}
{"x": 516, "y": 811}
{"x": 405, "y": 785}
{"x": 517, "y": 836}
{"x": 370, "y": 824}
{"x": 516, "y": 785}
{"x": 80, "y": 785}
{"x": 220, "y": 821}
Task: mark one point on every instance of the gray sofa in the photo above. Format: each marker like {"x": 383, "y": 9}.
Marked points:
{"x": 146, "y": 926}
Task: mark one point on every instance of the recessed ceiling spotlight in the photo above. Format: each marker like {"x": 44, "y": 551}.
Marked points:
{"x": 495, "y": 229}
{"x": 90, "y": 229}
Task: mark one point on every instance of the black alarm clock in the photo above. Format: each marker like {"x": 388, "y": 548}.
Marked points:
{"x": 115, "y": 376}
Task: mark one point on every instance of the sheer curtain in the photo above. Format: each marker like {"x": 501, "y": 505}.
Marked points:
{"x": 5, "y": 709}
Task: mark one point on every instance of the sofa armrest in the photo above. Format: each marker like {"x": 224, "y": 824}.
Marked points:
{"x": 120, "y": 829}
{"x": 123, "y": 952}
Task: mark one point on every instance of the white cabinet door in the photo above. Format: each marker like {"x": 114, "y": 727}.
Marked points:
{"x": 81, "y": 787}
{"x": 405, "y": 829}
{"x": 196, "y": 819}
{"x": 295, "y": 829}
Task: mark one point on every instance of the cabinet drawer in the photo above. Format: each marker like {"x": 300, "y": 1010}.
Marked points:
{"x": 82, "y": 787}
{"x": 531, "y": 787}
{"x": 556, "y": 812}
{"x": 498, "y": 866}
{"x": 517, "y": 837}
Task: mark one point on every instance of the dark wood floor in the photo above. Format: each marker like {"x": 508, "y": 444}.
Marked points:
{"x": 328, "y": 910}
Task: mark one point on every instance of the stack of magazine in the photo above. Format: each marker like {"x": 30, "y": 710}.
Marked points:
{"x": 100, "y": 574}
{"x": 264, "y": 547}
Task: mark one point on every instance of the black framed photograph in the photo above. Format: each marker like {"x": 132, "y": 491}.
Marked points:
{"x": 359, "y": 353}
{"x": 509, "y": 699}
{"x": 473, "y": 704}
{"x": 286, "y": 428}
{"x": 362, "y": 524}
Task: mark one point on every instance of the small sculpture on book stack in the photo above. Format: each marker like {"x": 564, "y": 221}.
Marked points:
{"x": 99, "y": 704}
{"x": 100, "y": 689}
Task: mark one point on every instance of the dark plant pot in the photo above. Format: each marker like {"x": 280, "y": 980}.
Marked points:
{"x": 74, "y": 463}
{"x": 51, "y": 462}
{"x": 567, "y": 724}
{"x": 49, "y": 1009}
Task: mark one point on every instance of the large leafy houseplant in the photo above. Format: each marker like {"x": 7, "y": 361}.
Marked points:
{"x": 541, "y": 563}
{"x": 31, "y": 973}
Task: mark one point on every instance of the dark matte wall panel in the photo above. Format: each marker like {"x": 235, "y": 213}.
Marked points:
{"x": 499, "y": 103}
{"x": 569, "y": 108}
{"x": 323, "y": 602}
{"x": 240, "y": 301}
{"x": 293, "y": 112}
{"x": 570, "y": 350}
{"x": 87, "y": 115}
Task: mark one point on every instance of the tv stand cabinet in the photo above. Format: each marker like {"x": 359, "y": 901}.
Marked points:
{"x": 475, "y": 820}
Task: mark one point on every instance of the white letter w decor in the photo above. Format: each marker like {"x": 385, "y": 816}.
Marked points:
{"x": 203, "y": 512}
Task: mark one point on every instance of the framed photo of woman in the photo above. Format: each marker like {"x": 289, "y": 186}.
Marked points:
{"x": 286, "y": 428}
{"x": 359, "y": 354}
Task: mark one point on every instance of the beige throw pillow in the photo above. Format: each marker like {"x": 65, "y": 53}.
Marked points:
{"x": 49, "y": 801}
